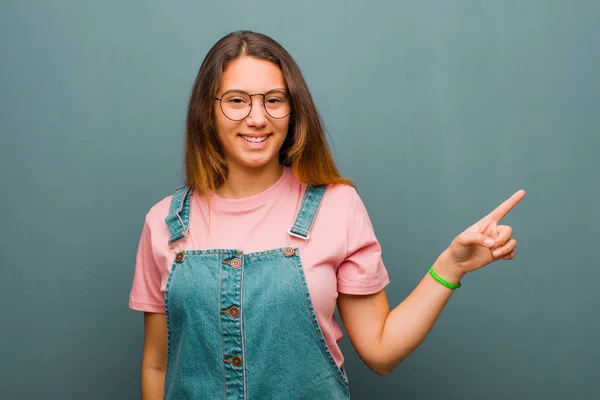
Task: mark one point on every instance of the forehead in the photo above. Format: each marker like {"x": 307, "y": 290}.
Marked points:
{"x": 252, "y": 75}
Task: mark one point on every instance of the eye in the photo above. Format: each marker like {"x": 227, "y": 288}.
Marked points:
{"x": 236, "y": 100}
{"x": 275, "y": 100}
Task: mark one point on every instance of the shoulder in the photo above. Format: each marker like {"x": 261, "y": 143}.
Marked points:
{"x": 339, "y": 201}
{"x": 155, "y": 217}
{"x": 341, "y": 194}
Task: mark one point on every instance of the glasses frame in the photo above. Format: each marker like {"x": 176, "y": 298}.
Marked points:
{"x": 264, "y": 95}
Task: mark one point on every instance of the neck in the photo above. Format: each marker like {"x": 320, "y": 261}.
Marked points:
{"x": 245, "y": 182}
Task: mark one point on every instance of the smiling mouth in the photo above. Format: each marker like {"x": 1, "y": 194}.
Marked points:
{"x": 254, "y": 139}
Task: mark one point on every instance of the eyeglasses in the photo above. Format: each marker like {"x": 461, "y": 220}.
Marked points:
{"x": 237, "y": 105}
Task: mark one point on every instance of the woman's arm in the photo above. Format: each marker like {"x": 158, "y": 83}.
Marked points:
{"x": 383, "y": 338}
{"x": 154, "y": 360}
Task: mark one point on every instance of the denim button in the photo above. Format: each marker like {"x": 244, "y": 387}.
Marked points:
{"x": 179, "y": 257}
{"x": 236, "y": 263}
{"x": 236, "y": 361}
{"x": 234, "y": 312}
{"x": 288, "y": 252}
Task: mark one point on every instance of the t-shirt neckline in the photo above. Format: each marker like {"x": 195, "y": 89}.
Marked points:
{"x": 252, "y": 202}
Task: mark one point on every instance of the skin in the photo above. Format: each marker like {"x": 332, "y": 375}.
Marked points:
{"x": 251, "y": 170}
{"x": 382, "y": 337}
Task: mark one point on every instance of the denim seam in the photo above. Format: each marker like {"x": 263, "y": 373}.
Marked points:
{"x": 177, "y": 212}
{"x": 262, "y": 253}
{"x": 184, "y": 225}
{"x": 300, "y": 211}
{"x": 221, "y": 265}
{"x": 174, "y": 211}
{"x": 315, "y": 324}
{"x": 187, "y": 214}
{"x": 300, "y": 216}
{"x": 168, "y": 316}
{"x": 311, "y": 203}
{"x": 192, "y": 252}
{"x": 242, "y": 335}
{"x": 179, "y": 209}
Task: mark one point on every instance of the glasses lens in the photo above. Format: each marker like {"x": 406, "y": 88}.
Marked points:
{"x": 277, "y": 104}
{"x": 236, "y": 105}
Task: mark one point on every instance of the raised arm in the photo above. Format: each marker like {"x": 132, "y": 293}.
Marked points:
{"x": 384, "y": 338}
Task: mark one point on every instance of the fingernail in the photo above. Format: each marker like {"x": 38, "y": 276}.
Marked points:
{"x": 497, "y": 253}
{"x": 489, "y": 242}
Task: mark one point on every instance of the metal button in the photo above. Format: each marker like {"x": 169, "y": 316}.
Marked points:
{"x": 234, "y": 312}
{"x": 179, "y": 257}
{"x": 288, "y": 252}
{"x": 236, "y": 263}
{"x": 236, "y": 361}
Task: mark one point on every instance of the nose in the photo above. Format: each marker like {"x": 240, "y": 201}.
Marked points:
{"x": 257, "y": 115}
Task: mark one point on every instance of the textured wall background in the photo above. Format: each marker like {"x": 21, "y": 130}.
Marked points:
{"x": 438, "y": 109}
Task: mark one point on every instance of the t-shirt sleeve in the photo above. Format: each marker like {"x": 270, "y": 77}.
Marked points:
{"x": 146, "y": 294}
{"x": 362, "y": 271}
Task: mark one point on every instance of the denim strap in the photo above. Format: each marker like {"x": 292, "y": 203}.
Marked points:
{"x": 179, "y": 214}
{"x": 308, "y": 210}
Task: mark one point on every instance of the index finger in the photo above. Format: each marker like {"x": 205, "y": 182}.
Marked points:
{"x": 504, "y": 208}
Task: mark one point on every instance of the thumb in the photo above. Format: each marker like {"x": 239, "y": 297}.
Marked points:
{"x": 474, "y": 238}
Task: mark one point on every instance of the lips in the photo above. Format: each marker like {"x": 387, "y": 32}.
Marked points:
{"x": 255, "y": 139}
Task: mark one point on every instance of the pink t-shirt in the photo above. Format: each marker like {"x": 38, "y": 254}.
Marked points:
{"x": 342, "y": 254}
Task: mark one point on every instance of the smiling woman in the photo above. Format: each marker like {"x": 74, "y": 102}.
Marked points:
{"x": 239, "y": 297}
{"x": 252, "y": 80}
{"x": 249, "y": 136}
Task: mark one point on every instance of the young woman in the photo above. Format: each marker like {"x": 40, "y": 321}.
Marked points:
{"x": 239, "y": 272}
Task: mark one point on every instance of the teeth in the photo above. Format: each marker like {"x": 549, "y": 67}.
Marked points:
{"x": 255, "y": 139}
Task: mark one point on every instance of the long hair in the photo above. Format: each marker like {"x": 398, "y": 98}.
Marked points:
{"x": 305, "y": 148}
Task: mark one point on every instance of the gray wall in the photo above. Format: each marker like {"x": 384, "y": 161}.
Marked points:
{"x": 439, "y": 110}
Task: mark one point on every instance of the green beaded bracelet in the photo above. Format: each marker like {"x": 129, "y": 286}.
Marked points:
{"x": 441, "y": 280}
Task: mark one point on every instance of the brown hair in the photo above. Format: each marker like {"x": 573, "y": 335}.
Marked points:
{"x": 305, "y": 148}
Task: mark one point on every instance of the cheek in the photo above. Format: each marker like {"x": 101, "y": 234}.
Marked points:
{"x": 225, "y": 127}
{"x": 283, "y": 126}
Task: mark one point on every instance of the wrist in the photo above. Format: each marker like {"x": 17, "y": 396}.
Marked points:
{"x": 447, "y": 269}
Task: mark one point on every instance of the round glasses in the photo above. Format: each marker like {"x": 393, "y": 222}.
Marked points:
{"x": 237, "y": 104}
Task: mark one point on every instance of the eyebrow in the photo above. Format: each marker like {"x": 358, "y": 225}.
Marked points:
{"x": 242, "y": 90}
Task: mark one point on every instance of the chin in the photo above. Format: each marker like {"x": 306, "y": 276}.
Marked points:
{"x": 255, "y": 164}
{"x": 245, "y": 160}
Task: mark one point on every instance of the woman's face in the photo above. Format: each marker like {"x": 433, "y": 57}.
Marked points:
{"x": 255, "y": 141}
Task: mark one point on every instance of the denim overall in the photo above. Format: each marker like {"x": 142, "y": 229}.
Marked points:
{"x": 242, "y": 326}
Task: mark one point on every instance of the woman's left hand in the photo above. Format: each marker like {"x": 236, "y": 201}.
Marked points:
{"x": 472, "y": 249}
